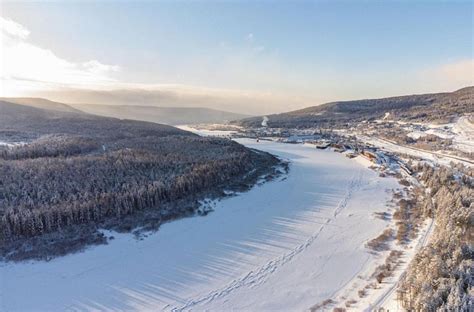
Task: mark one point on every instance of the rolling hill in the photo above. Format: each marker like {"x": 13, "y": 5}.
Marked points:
{"x": 42, "y": 104}
{"x": 436, "y": 107}
{"x": 165, "y": 115}
{"x": 162, "y": 115}
{"x": 20, "y": 122}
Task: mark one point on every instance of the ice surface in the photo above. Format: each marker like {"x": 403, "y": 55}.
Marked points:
{"x": 283, "y": 246}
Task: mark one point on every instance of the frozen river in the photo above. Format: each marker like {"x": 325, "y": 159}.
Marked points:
{"x": 284, "y": 245}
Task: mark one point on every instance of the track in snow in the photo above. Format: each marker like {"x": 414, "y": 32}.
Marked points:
{"x": 261, "y": 274}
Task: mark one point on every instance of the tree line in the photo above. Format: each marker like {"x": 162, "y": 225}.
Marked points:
{"x": 440, "y": 277}
{"x": 52, "y": 184}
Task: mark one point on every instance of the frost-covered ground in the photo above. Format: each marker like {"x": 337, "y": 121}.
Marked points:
{"x": 432, "y": 156}
{"x": 462, "y": 133}
{"x": 283, "y": 246}
{"x": 204, "y": 132}
{"x": 464, "y": 129}
{"x": 11, "y": 144}
{"x": 384, "y": 295}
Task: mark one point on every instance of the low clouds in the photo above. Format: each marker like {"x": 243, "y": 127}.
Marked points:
{"x": 30, "y": 70}
{"x": 277, "y": 84}
{"x": 13, "y": 29}
{"x": 448, "y": 76}
{"x": 26, "y": 67}
{"x": 457, "y": 73}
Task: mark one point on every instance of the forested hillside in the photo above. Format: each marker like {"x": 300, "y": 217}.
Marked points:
{"x": 437, "y": 108}
{"x": 73, "y": 173}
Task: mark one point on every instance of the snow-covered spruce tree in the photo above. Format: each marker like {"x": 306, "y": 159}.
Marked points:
{"x": 440, "y": 277}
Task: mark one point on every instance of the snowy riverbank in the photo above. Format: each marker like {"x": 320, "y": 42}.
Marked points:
{"x": 284, "y": 245}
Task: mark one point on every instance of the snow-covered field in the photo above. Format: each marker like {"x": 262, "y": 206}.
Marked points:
{"x": 204, "y": 132}
{"x": 285, "y": 245}
{"x": 435, "y": 157}
{"x": 461, "y": 132}
{"x": 11, "y": 144}
{"x": 464, "y": 129}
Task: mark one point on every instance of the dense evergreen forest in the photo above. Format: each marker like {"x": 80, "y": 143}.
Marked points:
{"x": 440, "y": 277}
{"x": 75, "y": 169}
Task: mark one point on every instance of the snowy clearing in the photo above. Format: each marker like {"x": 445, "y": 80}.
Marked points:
{"x": 284, "y": 245}
{"x": 204, "y": 132}
{"x": 11, "y": 144}
{"x": 435, "y": 157}
{"x": 464, "y": 139}
{"x": 461, "y": 132}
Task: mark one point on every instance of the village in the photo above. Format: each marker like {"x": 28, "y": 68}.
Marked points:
{"x": 336, "y": 140}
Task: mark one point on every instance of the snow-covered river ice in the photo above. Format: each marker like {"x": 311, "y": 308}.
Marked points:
{"x": 282, "y": 246}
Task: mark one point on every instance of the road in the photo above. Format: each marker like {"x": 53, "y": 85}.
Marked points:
{"x": 417, "y": 152}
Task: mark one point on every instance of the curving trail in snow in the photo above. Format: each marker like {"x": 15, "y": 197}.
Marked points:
{"x": 283, "y": 246}
{"x": 259, "y": 275}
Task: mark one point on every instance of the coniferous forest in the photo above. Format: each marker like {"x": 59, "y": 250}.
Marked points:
{"x": 83, "y": 170}
{"x": 441, "y": 274}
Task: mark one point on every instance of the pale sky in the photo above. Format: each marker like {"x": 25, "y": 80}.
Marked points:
{"x": 249, "y": 57}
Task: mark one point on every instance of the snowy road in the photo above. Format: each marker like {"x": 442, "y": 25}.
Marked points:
{"x": 434, "y": 156}
{"x": 388, "y": 297}
{"x": 284, "y": 245}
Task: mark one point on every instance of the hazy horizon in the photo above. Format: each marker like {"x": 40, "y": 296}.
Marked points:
{"x": 250, "y": 59}
{"x": 114, "y": 98}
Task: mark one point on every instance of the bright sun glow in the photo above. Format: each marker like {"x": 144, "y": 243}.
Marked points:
{"x": 26, "y": 67}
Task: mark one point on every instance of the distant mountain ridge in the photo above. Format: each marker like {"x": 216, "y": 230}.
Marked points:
{"x": 41, "y": 103}
{"x": 20, "y": 122}
{"x": 436, "y": 107}
{"x": 164, "y": 115}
